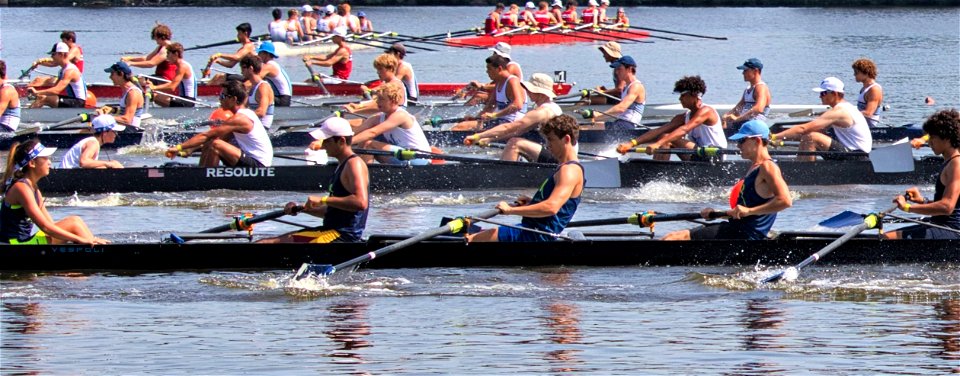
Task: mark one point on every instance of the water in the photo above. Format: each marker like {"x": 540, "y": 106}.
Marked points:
{"x": 855, "y": 319}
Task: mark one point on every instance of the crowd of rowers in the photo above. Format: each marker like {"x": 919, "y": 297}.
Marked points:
{"x": 546, "y": 15}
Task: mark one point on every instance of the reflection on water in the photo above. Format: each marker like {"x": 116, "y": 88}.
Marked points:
{"x": 762, "y": 322}
{"x": 21, "y": 321}
{"x": 563, "y": 325}
{"x": 946, "y": 330}
{"x": 349, "y": 328}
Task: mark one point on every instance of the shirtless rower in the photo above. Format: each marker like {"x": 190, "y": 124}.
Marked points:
{"x": 308, "y": 22}
{"x": 9, "y": 103}
{"x": 405, "y": 71}
{"x": 260, "y": 97}
{"x": 341, "y": 59}
{"x": 699, "y": 126}
{"x": 75, "y": 56}
{"x": 392, "y": 129}
{"x": 555, "y": 203}
{"x": 526, "y": 17}
{"x": 162, "y": 35}
{"x": 255, "y": 148}
{"x": 755, "y": 200}
{"x": 247, "y": 47}
{"x": 849, "y": 126}
{"x": 870, "y": 101}
{"x": 386, "y": 66}
{"x": 508, "y": 102}
{"x": 69, "y": 90}
{"x": 130, "y": 110}
{"x": 540, "y": 90}
{"x": 755, "y": 101}
{"x": 183, "y": 84}
{"x": 275, "y": 75}
{"x": 629, "y": 112}
{"x": 492, "y": 24}
{"x": 570, "y": 16}
{"x": 86, "y": 152}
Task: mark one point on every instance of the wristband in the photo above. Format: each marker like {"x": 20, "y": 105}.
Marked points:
{"x": 323, "y": 200}
{"x": 179, "y": 147}
{"x": 474, "y": 137}
{"x": 906, "y": 207}
{"x": 634, "y": 142}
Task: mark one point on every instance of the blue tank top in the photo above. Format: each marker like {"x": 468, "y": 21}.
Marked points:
{"x": 557, "y": 222}
{"x": 754, "y": 227}
{"x": 349, "y": 224}
{"x": 14, "y": 222}
{"x": 951, "y": 220}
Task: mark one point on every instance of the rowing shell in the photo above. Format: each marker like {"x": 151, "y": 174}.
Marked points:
{"x": 323, "y": 48}
{"x": 554, "y": 37}
{"x": 788, "y": 248}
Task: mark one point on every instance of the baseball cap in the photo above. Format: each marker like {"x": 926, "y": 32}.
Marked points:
{"x": 267, "y": 46}
{"x": 605, "y": 2}
{"x": 530, "y": 5}
{"x": 612, "y": 48}
{"x": 340, "y": 31}
{"x": 752, "y": 128}
{"x": 751, "y": 63}
{"x": 398, "y": 48}
{"x": 330, "y": 9}
{"x": 60, "y": 47}
{"x": 830, "y": 84}
{"x": 333, "y": 127}
{"x": 121, "y": 67}
{"x": 502, "y": 49}
{"x": 623, "y": 60}
{"x": 557, "y": 3}
{"x": 306, "y": 8}
{"x": 540, "y": 83}
{"x": 361, "y": 14}
{"x": 105, "y": 123}
{"x": 593, "y": 3}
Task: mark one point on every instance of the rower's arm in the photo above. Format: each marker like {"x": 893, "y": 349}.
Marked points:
{"x": 815, "y": 125}
{"x": 635, "y": 93}
{"x": 230, "y": 61}
{"x": 569, "y": 177}
{"x": 514, "y": 128}
{"x": 132, "y": 103}
{"x": 172, "y": 85}
{"x": 61, "y": 84}
{"x": 264, "y": 100}
{"x": 761, "y": 97}
{"x": 770, "y": 174}
{"x": 873, "y": 97}
{"x": 238, "y": 124}
{"x": 326, "y": 61}
{"x": 151, "y": 60}
{"x": 394, "y": 120}
{"x": 356, "y": 180}
{"x": 700, "y": 117}
{"x": 6, "y": 97}
{"x": 946, "y": 204}
{"x": 88, "y": 156}
{"x": 21, "y": 194}
{"x": 515, "y": 92}
{"x": 44, "y": 61}
{"x": 655, "y": 133}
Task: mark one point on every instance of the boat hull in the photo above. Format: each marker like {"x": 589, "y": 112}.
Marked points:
{"x": 522, "y": 38}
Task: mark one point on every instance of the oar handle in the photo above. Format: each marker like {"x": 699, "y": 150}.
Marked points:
{"x": 436, "y": 120}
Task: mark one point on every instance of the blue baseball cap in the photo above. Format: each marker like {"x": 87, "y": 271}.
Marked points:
{"x": 121, "y": 67}
{"x": 753, "y": 128}
{"x": 267, "y": 46}
{"x": 361, "y": 14}
{"x": 623, "y": 60}
{"x": 751, "y": 63}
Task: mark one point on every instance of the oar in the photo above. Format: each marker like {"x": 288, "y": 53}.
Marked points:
{"x": 589, "y": 114}
{"x": 449, "y": 43}
{"x": 436, "y": 120}
{"x": 644, "y": 219}
{"x": 316, "y": 79}
{"x": 85, "y": 117}
{"x": 892, "y": 159}
{"x": 453, "y": 226}
{"x": 677, "y": 33}
{"x": 243, "y": 223}
{"x": 224, "y": 43}
{"x": 580, "y": 94}
{"x": 599, "y": 31}
{"x": 615, "y": 28}
{"x": 196, "y": 102}
{"x": 871, "y": 221}
{"x": 928, "y": 224}
{"x": 372, "y": 45}
{"x": 500, "y": 145}
{"x": 444, "y": 35}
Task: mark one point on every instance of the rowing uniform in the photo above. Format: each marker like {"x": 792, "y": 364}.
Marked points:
{"x": 749, "y": 102}
{"x": 291, "y": 28}
{"x": 79, "y": 60}
{"x": 706, "y": 135}
{"x": 519, "y": 69}
{"x": 491, "y": 24}
{"x": 323, "y": 25}
{"x": 509, "y": 20}
{"x": 569, "y": 16}
{"x": 72, "y": 158}
{"x": 851, "y": 139}
{"x": 590, "y": 15}
{"x": 631, "y": 117}
{"x": 754, "y": 227}
{"x": 267, "y": 118}
{"x": 281, "y": 85}
{"x": 165, "y": 70}
{"x": 255, "y": 147}
{"x": 413, "y": 89}
{"x": 552, "y": 224}
{"x": 521, "y": 19}
{"x": 409, "y": 139}
{"x": 10, "y": 118}
{"x": 342, "y": 69}
{"x": 542, "y": 17}
{"x": 187, "y": 88}
{"x": 138, "y": 113}
{"x": 75, "y": 95}
{"x": 503, "y": 102}
{"x": 338, "y": 225}
{"x": 16, "y": 227}
{"x": 278, "y": 31}
{"x": 862, "y": 105}
{"x": 951, "y": 220}
{"x": 366, "y": 25}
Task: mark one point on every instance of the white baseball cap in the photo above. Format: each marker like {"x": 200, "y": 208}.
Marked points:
{"x": 307, "y": 8}
{"x": 330, "y": 9}
{"x": 340, "y": 31}
{"x": 60, "y": 47}
{"x": 593, "y": 3}
{"x": 530, "y": 5}
{"x": 830, "y": 84}
{"x": 105, "y": 123}
{"x": 606, "y": 2}
{"x": 333, "y": 127}
{"x": 502, "y": 49}
{"x": 557, "y": 3}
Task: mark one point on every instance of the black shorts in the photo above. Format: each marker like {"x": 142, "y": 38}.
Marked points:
{"x": 177, "y": 102}
{"x": 836, "y": 146}
{"x": 545, "y": 156}
{"x": 70, "y": 102}
{"x": 281, "y": 101}
{"x": 247, "y": 161}
{"x": 722, "y": 230}
{"x": 926, "y": 232}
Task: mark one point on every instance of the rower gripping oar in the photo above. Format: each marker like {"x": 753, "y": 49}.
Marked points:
{"x": 453, "y": 226}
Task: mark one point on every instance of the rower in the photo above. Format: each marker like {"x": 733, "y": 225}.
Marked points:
{"x": 611, "y": 52}
{"x": 629, "y": 112}
{"x": 323, "y": 24}
{"x": 591, "y": 15}
{"x": 556, "y": 10}
{"x": 365, "y": 24}
{"x": 392, "y": 129}
{"x": 247, "y": 47}
{"x": 344, "y": 209}
{"x": 308, "y": 23}
{"x": 852, "y": 134}
{"x": 351, "y": 22}
{"x": 255, "y": 149}
{"x": 69, "y": 91}
{"x": 527, "y": 17}
{"x": 699, "y": 126}
{"x": 386, "y": 65}
{"x": 341, "y": 59}
{"x": 130, "y": 110}
{"x": 544, "y": 17}
{"x": 86, "y": 153}
{"x": 260, "y": 97}
{"x": 491, "y": 25}
{"x": 944, "y": 130}
{"x": 540, "y": 90}
{"x": 511, "y": 18}
{"x": 405, "y": 71}
{"x": 508, "y": 103}
{"x": 755, "y": 101}
{"x": 161, "y": 34}
{"x": 275, "y": 75}
{"x": 570, "y": 16}
{"x": 9, "y": 102}
{"x": 294, "y": 29}
{"x": 622, "y": 17}
{"x": 755, "y": 200}
{"x": 870, "y": 101}
{"x": 74, "y": 56}
{"x": 183, "y": 84}
{"x": 483, "y": 91}
{"x": 277, "y": 28}
{"x": 23, "y": 204}
{"x": 602, "y": 12}
{"x": 555, "y": 203}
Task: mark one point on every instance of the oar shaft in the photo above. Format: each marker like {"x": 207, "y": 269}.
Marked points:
{"x": 677, "y": 33}
{"x": 871, "y": 221}
{"x": 255, "y": 219}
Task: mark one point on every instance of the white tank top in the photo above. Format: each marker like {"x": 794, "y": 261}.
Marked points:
{"x": 858, "y": 136}
{"x": 10, "y": 117}
{"x": 749, "y": 102}
{"x": 256, "y": 144}
{"x": 553, "y": 108}
{"x": 76, "y": 89}
{"x": 278, "y": 31}
{"x": 72, "y": 158}
{"x": 138, "y": 113}
{"x": 267, "y": 119}
{"x": 862, "y": 105}
{"x": 413, "y": 90}
{"x": 412, "y": 138}
{"x": 323, "y": 25}
{"x": 188, "y": 86}
{"x": 280, "y": 83}
{"x": 519, "y": 69}
{"x": 633, "y": 113}
{"x": 707, "y": 134}
{"x": 503, "y": 101}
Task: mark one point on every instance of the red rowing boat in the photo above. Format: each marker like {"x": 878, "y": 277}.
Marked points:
{"x": 548, "y": 37}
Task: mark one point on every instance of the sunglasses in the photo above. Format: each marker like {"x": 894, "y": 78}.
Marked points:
{"x": 824, "y": 93}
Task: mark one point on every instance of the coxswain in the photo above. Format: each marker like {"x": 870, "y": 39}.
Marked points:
{"x": 629, "y": 112}
{"x": 405, "y": 71}
{"x": 75, "y": 56}
{"x": 540, "y": 90}
{"x": 275, "y": 75}
{"x": 611, "y": 52}
{"x": 852, "y": 134}
{"x": 544, "y": 17}
{"x": 366, "y": 25}
{"x": 555, "y": 203}
{"x": 870, "y": 101}
{"x": 23, "y": 204}
{"x": 943, "y": 127}
{"x": 294, "y": 29}
{"x": 392, "y": 129}
{"x": 569, "y": 16}
{"x": 699, "y": 126}
{"x": 308, "y": 23}
{"x": 69, "y": 90}
{"x": 622, "y": 19}
{"x": 526, "y": 17}
{"x": 247, "y": 47}
{"x": 183, "y": 84}
{"x": 260, "y": 97}
{"x": 9, "y": 102}
{"x": 161, "y": 35}
{"x": 591, "y": 15}
{"x": 755, "y": 200}
{"x": 253, "y": 143}
{"x": 344, "y": 209}
{"x": 86, "y": 153}
{"x": 341, "y": 59}
{"x": 556, "y": 10}
{"x": 130, "y": 110}
{"x": 511, "y": 18}
{"x": 508, "y": 102}
{"x": 755, "y": 101}
{"x": 277, "y": 29}
{"x": 386, "y": 66}
{"x": 492, "y": 24}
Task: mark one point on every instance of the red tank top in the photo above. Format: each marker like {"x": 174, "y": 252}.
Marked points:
{"x": 569, "y": 16}
{"x": 507, "y": 20}
{"x": 542, "y": 17}
{"x": 79, "y": 62}
{"x": 490, "y": 25}
{"x": 342, "y": 69}
{"x": 166, "y": 70}
{"x": 589, "y": 15}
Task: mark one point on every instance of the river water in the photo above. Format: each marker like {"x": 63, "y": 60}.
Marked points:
{"x": 857, "y": 319}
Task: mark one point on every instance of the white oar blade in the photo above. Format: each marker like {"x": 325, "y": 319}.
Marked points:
{"x": 603, "y": 173}
{"x": 894, "y": 158}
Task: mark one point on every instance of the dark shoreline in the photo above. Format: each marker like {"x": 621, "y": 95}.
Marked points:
{"x": 663, "y": 3}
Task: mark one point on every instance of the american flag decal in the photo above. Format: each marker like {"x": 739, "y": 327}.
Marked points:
{"x": 154, "y": 173}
